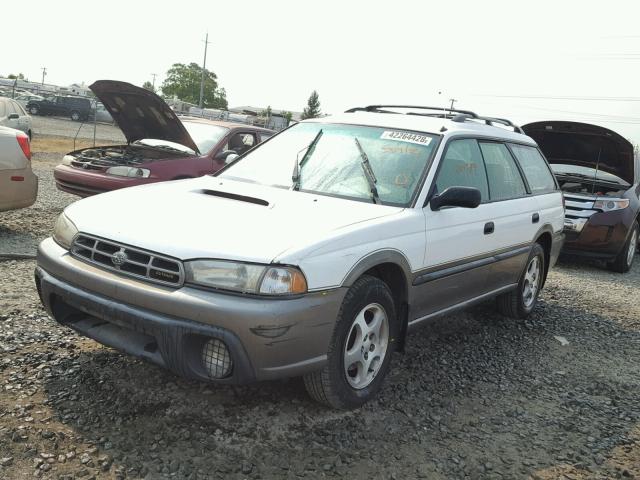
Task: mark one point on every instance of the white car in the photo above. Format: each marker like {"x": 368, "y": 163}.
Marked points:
{"x": 18, "y": 184}
{"x": 314, "y": 253}
{"x": 12, "y": 115}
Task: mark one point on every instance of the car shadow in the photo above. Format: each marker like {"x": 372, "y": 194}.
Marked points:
{"x": 475, "y": 394}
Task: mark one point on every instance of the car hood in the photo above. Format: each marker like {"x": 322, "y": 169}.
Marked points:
{"x": 210, "y": 217}
{"x": 141, "y": 113}
{"x": 584, "y": 145}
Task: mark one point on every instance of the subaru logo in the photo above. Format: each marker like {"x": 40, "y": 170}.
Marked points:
{"x": 119, "y": 258}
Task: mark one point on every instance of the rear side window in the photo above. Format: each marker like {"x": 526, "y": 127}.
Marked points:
{"x": 535, "y": 168}
{"x": 265, "y": 136}
{"x": 505, "y": 181}
{"x": 462, "y": 166}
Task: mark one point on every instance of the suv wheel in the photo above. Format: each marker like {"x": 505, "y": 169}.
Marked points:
{"x": 75, "y": 116}
{"x": 33, "y": 110}
{"x": 360, "y": 349}
{"x": 520, "y": 302}
{"x": 624, "y": 260}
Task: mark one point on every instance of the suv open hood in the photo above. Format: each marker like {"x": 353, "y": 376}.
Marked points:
{"x": 585, "y": 145}
{"x": 141, "y": 113}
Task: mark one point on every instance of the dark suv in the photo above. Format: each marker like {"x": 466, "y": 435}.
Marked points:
{"x": 76, "y": 108}
{"x": 600, "y": 177}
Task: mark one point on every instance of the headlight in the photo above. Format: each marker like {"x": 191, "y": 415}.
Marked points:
{"x": 64, "y": 231}
{"x": 611, "y": 204}
{"x": 67, "y": 159}
{"x": 246, "y": 277}
{"x": 122, "y": 171}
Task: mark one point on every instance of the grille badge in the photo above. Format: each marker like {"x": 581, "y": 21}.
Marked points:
{"x": 119, "y": 258}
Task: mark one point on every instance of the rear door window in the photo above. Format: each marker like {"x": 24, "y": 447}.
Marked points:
{"x": 505, "y": 181}
{"x": 462, "y": 166}
{"x": 535, "y": 168}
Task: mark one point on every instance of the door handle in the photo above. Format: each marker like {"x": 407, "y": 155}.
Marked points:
{"x": 489, "y": 227}
{"x": 535, "y": 218}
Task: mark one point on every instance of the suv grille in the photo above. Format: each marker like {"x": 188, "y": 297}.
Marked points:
{"x": 128, "y": 260}
{"x": 580, "y": 206}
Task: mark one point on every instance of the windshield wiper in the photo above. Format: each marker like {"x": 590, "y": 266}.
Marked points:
{"x": 295, "y": 177}
{"x": 368, "y": 172}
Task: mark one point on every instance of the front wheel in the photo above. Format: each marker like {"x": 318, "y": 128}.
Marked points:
{"x": 624, "y": 260}
{"x": 519, "y": 303}
{"x": 33, "y": 110}
{"x": 360, "y": 349}
{"x": 75, "y": 116}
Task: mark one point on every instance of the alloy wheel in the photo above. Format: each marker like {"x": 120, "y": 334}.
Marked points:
{"x": 632, "y": 247}
{"x": 366, "y": 346}
{"x": 531, "y": 282}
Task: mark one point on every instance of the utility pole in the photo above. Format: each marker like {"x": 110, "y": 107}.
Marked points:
{"x": 153, "y": 85}
{"x": 44, "y": 72}
{"x": 452, "y": 100}
{"x": 204, "y": 66}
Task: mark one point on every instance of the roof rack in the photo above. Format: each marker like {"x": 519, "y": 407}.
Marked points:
{"x": 452, "y": 114}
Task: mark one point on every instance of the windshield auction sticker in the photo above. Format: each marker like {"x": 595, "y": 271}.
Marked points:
{"x": 406, "y": 137}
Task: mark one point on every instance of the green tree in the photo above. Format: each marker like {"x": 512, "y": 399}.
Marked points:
{"x": 183, "y": 81}
{"x": 148, "y": 86}
{"x": 266, "y": 113}
{"x": 13, "y": 76}
{"x": 313, "y": 107}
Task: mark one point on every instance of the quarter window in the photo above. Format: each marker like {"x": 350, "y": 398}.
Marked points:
{"x": 505, "y": 180}
{"x": 535, "y": 168}
{"x": 462, "y": 166}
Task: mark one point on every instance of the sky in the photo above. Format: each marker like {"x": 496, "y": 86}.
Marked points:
{"x": 526, "y": 61}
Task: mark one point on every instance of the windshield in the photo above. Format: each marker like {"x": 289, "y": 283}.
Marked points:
{"x": 560, "y": 168}
{"x": 204, "y": 135}
{"x": 335, "y": 164}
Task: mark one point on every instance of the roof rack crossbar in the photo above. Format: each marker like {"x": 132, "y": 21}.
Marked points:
{"x": 379, "y": 108}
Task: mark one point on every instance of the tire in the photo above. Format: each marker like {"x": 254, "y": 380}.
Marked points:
{"x": 75, "y": 116}
{"x": 520, "y": 302}
{"x": 624, "y": 260}
{"x": 369, "y": 300}
{"x": 30, "y": 135}
{"x": 33, "y": 110}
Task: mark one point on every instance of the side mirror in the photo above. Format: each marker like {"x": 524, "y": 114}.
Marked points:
{"x": 224, "y": 154}
{"x": 465, "y": 197}
{"x": 13, "y": 116}
{"x": 230, "y": 158}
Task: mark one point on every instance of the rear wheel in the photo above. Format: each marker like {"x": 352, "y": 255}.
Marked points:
{"x": 520, "y": 302}
{"x": 360, "y": 349}
{"x": 625, "y": 258}
{"x": 75, "y": 116}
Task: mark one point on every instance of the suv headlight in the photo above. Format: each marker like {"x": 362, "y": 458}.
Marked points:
{"x": 64, "y": 231}
{"x": 129, "y": 172}
{"x": 611, "y": 204}
{"x": 246, "y": 277}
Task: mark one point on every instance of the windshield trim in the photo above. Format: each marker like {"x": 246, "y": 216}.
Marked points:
{"x": 437, "y": 137}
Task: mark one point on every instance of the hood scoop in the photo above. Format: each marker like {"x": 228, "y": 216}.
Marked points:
{"x": 235, "y": 196}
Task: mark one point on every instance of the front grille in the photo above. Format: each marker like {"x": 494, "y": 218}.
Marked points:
{"x": 580, "y": 206}
{"x": 127, "y": 260}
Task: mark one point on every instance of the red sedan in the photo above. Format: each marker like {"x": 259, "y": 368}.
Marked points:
{"x": 160, "y": 146}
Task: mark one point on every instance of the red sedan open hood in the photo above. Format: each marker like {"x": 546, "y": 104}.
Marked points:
{"x": 141, "y": 113}
{"x": 585, "y": 145}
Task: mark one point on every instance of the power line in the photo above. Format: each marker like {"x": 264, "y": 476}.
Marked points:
{"x": 559, "y": 97}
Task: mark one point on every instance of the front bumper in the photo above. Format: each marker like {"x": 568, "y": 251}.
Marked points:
{"x": 85, "y": 183}
{"x": 267, "y": 338}
{"x": 601, "y": 236}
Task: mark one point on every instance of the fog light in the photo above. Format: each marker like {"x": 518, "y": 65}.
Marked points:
{"x": 216, "y": 358}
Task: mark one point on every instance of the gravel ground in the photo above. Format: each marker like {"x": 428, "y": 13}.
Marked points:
{"x": 476, "y": 395}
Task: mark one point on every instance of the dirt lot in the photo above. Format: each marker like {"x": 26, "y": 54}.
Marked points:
{"x": 476, "y": 395}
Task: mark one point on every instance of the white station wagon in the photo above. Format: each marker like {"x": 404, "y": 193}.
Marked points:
{"x": 313, "y": 254}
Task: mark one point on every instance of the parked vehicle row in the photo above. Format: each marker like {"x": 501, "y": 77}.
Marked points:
{"x": 313, "y": 254}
